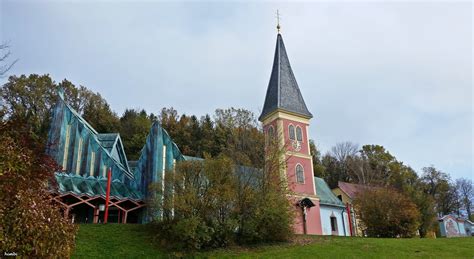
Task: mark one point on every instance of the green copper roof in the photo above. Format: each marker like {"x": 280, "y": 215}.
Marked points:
{"x": 93, "y": 186}
{"x": 326, "y": 196}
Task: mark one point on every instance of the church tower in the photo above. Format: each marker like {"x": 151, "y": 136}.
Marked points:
{"x": 286, "y": 117}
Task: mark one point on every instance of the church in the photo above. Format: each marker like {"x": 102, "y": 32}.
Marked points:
{"x": 97, "y": 183}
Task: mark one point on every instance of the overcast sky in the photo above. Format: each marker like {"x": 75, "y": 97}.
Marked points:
{"x": 397, "y": 74}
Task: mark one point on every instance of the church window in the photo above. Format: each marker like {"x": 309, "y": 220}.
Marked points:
{"x": 299, "y": 174}
{"x": 291, "y": 130}
{"x": 299, "y": 133}
{"x": 66, "y": 146}
{"x": 79, "y": 156}
{"x": 270, "y": 132}
{"x": 92, "y": 165}
{"x": 163, "y": 176}
{"x": 333, "y": 225}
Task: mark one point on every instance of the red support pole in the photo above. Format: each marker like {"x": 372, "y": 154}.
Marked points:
{"x": 349, "y": 217}
{"x": 107, "y": 196}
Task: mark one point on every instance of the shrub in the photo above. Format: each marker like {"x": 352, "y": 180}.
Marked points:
{"x": 212, "y": 203}
{"x": 31, "y": 225}
{"x": 387, "y": 213}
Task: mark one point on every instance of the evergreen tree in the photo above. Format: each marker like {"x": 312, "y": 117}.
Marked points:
{"x": 134, "y": 128}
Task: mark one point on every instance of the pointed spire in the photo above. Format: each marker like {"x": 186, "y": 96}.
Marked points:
{"x": 283, "y": 92}
{"x": 278, "y": 22}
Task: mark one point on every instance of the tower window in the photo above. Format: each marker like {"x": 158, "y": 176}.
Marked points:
{"x": 299, "y": 173}
{"x": 270, "y": 132}
{"x": 299, "y": 133}
{"x": 291, "y": 130}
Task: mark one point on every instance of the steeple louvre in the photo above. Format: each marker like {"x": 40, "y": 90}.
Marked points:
{"x": 283, "y": 92}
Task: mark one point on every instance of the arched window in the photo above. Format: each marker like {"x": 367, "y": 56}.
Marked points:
{"x": 299, "y": 173}
{"x": 271, "y": 133}
{"x": 291, "y": 130}
{"x": 299, "y": 133}
{"x": 333, "y": 224}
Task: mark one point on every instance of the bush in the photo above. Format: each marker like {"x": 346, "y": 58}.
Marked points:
{"x": 212, "y": 203}
{"x": 387, "y": 213}
{"x": 30, "y": 224}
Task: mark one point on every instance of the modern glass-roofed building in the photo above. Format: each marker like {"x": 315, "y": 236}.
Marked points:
{"x": 85, "y": 156}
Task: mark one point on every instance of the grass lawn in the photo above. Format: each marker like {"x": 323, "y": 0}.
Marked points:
{"x": 134, "y": 241}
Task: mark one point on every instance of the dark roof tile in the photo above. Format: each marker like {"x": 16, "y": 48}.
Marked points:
{"x": 283, "y": 91}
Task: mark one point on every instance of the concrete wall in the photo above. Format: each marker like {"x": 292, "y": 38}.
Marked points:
{"x": 326, "y": 212}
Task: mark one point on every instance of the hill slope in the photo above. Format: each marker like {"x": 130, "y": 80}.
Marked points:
{"x": 134, "y": 241}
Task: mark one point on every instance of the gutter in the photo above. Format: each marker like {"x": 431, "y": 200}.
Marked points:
{"x": 343, "y": 224}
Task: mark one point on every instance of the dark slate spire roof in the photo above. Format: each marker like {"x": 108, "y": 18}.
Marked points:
{"x": 283, "y": 91}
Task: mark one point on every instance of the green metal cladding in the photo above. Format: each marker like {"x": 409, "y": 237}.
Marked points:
{"x": 85, "y": 156}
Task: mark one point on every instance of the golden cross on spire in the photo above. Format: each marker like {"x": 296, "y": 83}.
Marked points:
{"x": 278, "y": 21}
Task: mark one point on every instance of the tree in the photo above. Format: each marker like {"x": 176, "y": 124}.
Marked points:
{"x": 318, "y": 168}
{"x": 240, "y": 137}
{"x": 387, "y": 213}
{"x": 405, "y": 180}
{"x": 207, "y": 137}
{"x": 214, "y": 203}
{"x": 338, "y": 162}
{"x": 134, "y": 128}
{"x": 379, "y": 163}
{"x": 4, "y": 56}
{"x": 439, "y": 186}
{"x": 334, "y": 171}
{"x": 97, "y": 112}
{"x": 30, "y": 223}
{"x": 198, "y": 213}
{"x": 344, "y": 150}
{"x": 31, "y": 98}
{"x": 466, "y": 194}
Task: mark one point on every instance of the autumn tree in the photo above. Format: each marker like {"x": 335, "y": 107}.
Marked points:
{"x": 438, "y": 185}
{"x": 31, "y": 98}
{"x": 240, "y": 136}
{"x": 31, "y": 225}
{"x": 214, "y": 203}
{"x": 386, "y": 212}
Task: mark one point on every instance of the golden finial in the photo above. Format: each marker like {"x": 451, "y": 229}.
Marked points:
{"x": 278, "y": 21}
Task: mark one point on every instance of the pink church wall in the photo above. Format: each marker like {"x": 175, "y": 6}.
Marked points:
{"x": 286, "y": 130}
{"x": 308, "y": 186}
{"x": 313, "y": 219}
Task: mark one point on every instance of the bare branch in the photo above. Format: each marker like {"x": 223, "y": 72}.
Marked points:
{"x": 4, "y": 65}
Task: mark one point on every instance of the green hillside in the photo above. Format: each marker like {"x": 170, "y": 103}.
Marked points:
{"x": 134, "y": 241}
